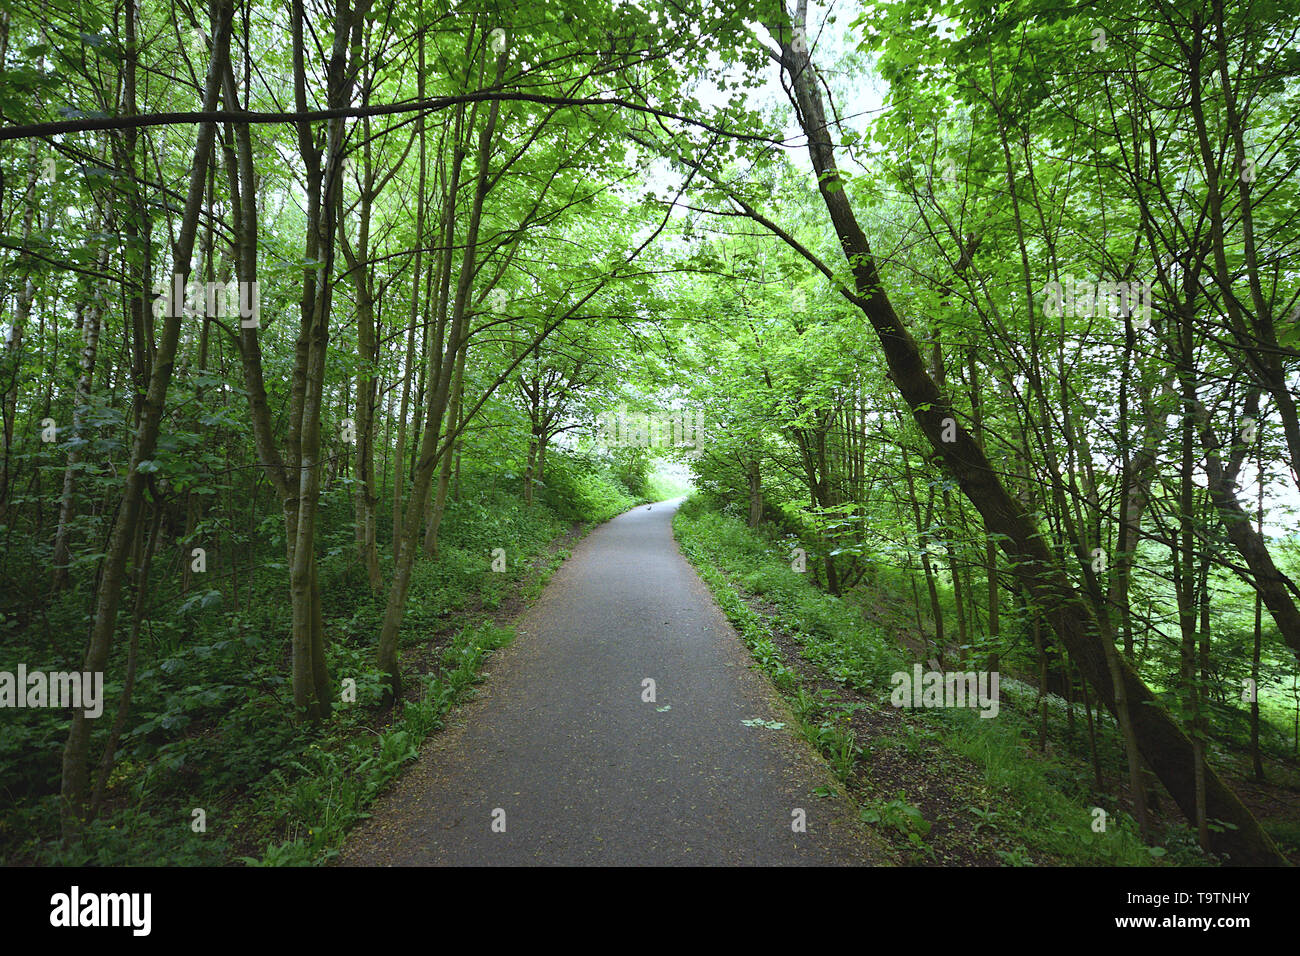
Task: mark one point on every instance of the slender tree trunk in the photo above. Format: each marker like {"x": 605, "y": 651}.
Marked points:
{"x": 444, "y": 469}
{"x": 440, "y": 375}
{"x": 14, "y": 344}
{"x": 755, "y": 494}
{"x": 936, "y": 612}
{"x": 108, "y": 593}
{"x": 417, "y": 277}
{"x": 85, "y": 383}
{"x": 1257, "y": 763}
{"x": 128, "y": 685}
{"x": 993, "y": 628}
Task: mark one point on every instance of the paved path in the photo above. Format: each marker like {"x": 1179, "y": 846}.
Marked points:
{"x": 585, "y": 771}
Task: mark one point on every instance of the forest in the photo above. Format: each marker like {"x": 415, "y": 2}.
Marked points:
{"x": 947, "y": 340}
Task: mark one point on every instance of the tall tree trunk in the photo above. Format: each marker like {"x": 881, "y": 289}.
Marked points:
{"x": 455, "y": 417}
{"x": 85, "y": 383}
{"x": 1257, "y": 764}
{"x": 13, "y": 352}
{"x": 365, "y": 495}
{"x": 417, "y": 277}
{"x": 108, "y": 593}
{"x": 936, "y": 611}
{"x": 107, "y": 761}
{"x": 441, "y": 367}
{"x": 993, "y": 627}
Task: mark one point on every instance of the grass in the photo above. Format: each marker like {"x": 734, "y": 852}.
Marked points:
{"x": 1033, "y": 815}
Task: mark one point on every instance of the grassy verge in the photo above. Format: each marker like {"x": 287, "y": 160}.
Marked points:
{"x": 945, "y": 784}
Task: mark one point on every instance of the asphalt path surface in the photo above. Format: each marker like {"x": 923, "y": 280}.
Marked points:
{"x": 562, "y": 761}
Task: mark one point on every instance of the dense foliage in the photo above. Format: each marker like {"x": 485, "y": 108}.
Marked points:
{"x": 984, "y": 317}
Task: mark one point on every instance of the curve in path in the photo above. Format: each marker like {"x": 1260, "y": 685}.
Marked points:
{"x": 584, "y": 769}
